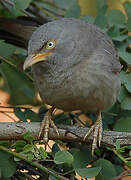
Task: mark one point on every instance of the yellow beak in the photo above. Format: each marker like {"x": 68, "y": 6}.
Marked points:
{"x": 35, "y": 58}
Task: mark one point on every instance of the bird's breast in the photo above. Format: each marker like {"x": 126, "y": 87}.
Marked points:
{"x": 81, "y": 88}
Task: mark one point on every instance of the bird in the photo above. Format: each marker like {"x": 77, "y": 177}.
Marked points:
{"x": 74, "y": 63}
{"x": 75, "y": 67}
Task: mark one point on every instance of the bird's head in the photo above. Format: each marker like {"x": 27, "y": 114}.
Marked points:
{"x": 55, "y": 43}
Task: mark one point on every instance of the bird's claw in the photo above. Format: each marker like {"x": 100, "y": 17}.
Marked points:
{"x": 97, "y": 134}
{"x": 46, "y": 122}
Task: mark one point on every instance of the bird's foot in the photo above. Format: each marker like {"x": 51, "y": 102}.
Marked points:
{"x": 97, "y": 133}
{"x": 46, "y": 123}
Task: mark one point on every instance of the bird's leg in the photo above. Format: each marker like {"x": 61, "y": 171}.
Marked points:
{"x": 97, "y": 134}
{"x": 46, "y": 122}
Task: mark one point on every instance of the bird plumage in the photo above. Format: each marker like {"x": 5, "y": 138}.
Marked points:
{"x": 83, "y": 69}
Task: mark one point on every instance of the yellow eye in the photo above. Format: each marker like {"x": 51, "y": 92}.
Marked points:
{"x": 50, "y": 44}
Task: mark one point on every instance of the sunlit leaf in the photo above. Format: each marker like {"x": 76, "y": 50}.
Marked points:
{"x": 63, "y": 157}
{"x": 88, "y": 172}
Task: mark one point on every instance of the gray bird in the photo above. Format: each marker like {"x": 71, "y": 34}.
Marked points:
{"x": 75, "y": 67}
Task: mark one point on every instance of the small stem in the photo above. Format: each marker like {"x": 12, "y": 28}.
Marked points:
{"x": 35, "y": 164}
{"x": 121, "y": 157}
{"x": 68, "y": 172}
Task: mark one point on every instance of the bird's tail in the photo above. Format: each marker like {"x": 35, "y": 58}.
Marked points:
{"x": 17, "y": 31}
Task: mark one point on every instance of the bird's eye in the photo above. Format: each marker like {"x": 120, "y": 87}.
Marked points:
{"x": 51, "y": 44}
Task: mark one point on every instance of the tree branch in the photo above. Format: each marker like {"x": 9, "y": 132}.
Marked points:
{"x": 12, "y": 130}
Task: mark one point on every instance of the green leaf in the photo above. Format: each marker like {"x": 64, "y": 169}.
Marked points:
{"x": 28, "y": 148}
{"x": 20, "y": 145}
{"x": 126, "y": 103}
{"x": 125, "y": 56}
{"x": 118, "y": 168}
{"x": 20, "y": 114}
{"x": 29, "y": 137}
{"x": 7, "y": 164}
{"x": 63, "y": 157}
{"x": 89, "y": 19}
{"x": 21, "y": 4}
{"x": 123, "y": 125}
{"x": 100, "y": 4}
{"x": 6, "y": 50}
{"x": 101, "y": 21}
{"x": 73, "y": 11}
{"x": 99, "y": 177}
{"x": 117, "y": 144}
{"x": 113, "y": 31}
{"x": 126, "y": 80}
{"x": 116, "y": 17}
{"x": 127, "y": 6}
{"x": 43, "y": 153}
{"x": 120, "y": 38}
{"x": 55, "y": 148}
{"x": 16, "y": 12}
{"x": 65, "y": 4}
{"x": 123, "y": 94}
{"x": 33, "y": 116}
{"x": 103, "y": 10}
{"x": 20, "y": 86}
{"x": 30, "y": 156}
{"x": 108, "y": 171}
{"x": 129, "y": 24}
{"x": 81, "y": 158}
{"x": 88, "y": 172}
{"x": 4, "y": 143}
{"x": 122, "y": 46}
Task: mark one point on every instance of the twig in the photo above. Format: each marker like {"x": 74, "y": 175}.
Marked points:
{"x": 121, "y": 157}
{"x": 10, "y": 3}
{"x": 21, "y": 107}
{"x": 29, "y": 177}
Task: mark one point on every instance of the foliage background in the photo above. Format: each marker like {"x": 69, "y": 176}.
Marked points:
{"x": 114, "y": 17}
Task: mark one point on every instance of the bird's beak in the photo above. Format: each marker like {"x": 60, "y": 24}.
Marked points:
{"x": 35, "y": 58}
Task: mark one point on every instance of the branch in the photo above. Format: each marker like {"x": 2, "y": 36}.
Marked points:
{"x": 12, "y": 130}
